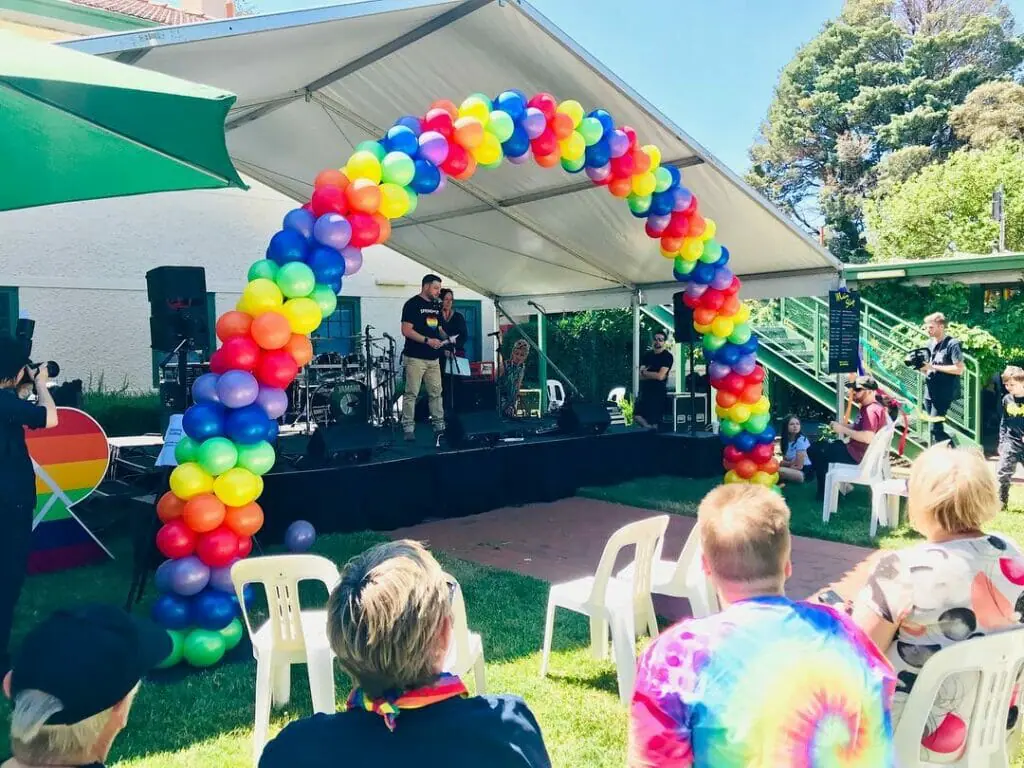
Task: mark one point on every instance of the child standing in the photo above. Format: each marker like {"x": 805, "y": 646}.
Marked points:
{"x": 1011, "y": 430}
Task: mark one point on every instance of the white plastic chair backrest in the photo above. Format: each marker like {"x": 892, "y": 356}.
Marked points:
{"x": 998, "y": 659}
{"x": 689, "y": 571}
{"x": 876, "y": 461}
{"x": 556, "y": 393}
{"x": 616, "y": 395}
{"x": 460, "y": 627}
{"x": 280, "y": 576}
{"x": 647, "y": 537}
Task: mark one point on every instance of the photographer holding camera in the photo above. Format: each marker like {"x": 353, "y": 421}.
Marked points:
{"x": 17, "y": 477}
{"x": 942, "y": 371}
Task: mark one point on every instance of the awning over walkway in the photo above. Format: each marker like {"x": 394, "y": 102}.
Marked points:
{"x": 311, "y": 84}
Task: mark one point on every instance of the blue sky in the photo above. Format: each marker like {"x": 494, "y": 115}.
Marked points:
{"x": 710, "y": 65}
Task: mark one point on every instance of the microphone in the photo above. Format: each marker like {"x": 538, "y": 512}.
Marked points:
{"x": 388, "y": 337}
{"x": 495, "y": 333}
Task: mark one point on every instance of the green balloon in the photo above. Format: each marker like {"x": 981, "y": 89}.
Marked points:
{"x": 662, "y": 179}
{"x": 484, "y": 98}
{"x": 639, "y": 204}
{"x": 684, "y": 267}
{"x": 591, "y": 130}
{"x": 204, "y": 648}
{"x": 501, "y": 125}
{"x": 325, "y": 299}
{"x": 186, "y": 450}
{"x": 729, "y": 428}
{"x": 296, "y": 280}
{"x": 258, "y": 458}
{"x": 373, "y": 147}
{"x": 177, "y": 649}
{"x": 217, "y": 455}
{"x": 756, "y": 424}
{"x": 414, "y": 200}
{"x": 712, "y": 252}
{"x": 574, "y": 166}
{"x": 713, "y": 343}
{"x": 397, "y": 168}
{"x": 495, "y": 164}
{"x": 740, "y": 334}
{"x": 264, "y": 268}
{"x": 232, "y": 634}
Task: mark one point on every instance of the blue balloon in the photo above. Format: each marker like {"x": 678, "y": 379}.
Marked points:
{"x": 301, "y": 221}
{"x": 513, "y": 102}
{"x": 204, "y": 389}
{"x": 248, "y": 425}
{"x": 661, "y": 203}
{"x": 163, "y": 578}
{"x": 203, "y": 421}
{"x": 410, "y": 122}
{"x": 767, "y": 437}
{"x": 518, "y": 143}
{"x": 327, "y": 264}
{"x": 729, "y": 353}
{"x": 427, "y": 177}
{"x": 605, "y": 118}
{"x": 248, "y": 592}
{"x": 677, "y": 177}
{"x": 704, "y": 273}
{"x": 724, "y": 258}
{"x": 749, "y": 346}
{"x": 598, "y": 155}
{"x": 212, "y": 609}
{"x": 300, "y": 536}
{"x": 171, "y": 612}
{"x": 680, "y": 277}
{"x": 745, "y": 441}
{"x": 335, "y": 285}
{"x": 401, "y": 138}
{"x": 287, "y": 246}
{"x": 272, "y": 431}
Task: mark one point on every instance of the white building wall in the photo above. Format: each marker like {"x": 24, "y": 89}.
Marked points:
{"x": 81, "y": 272}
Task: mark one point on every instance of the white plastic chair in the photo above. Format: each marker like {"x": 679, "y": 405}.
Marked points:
{"x": 556, "y": 394}
{"x": 684, "y": 577}
{"x": 998, "y": 659}
{"x": 873, "y": 469}
{"x": 466, "y": 651}
{"x": 616, "y": 395}
{"x": 611, "y": 602}
{"x": 290, "y": 636}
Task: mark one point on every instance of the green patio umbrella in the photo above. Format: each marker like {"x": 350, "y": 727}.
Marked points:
{"x": 80, "y": 127}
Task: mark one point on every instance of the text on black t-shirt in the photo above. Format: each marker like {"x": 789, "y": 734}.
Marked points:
{"x": 1012, "y": 424}
{"x": 425, "y": 317}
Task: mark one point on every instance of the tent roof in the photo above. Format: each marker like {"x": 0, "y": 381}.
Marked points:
{"x": 313, "y": 83}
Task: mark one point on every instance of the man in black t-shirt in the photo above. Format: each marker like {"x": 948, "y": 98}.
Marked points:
{"x": 421, "y": 326}
{"x": 654, "y": 368}
{"x": 942, "y": 375}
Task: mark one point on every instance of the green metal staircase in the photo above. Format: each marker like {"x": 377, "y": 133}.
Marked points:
{"x": 793, "y": 335}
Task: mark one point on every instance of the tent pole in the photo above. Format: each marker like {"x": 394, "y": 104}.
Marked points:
{"x": 538, "y": 350}
{"x": 636, "y": 346}
{"x": 542, "y": 362}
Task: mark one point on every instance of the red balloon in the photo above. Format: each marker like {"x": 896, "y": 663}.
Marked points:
{"x": 175, "y": 539}
{"x": 307, "y": 207}
{"x": 691, "y": 302}
{"x": 712, "y": 299}
{"x": 277, "y": 368}
{"x": 733, "y": 383}
{"x": 731, "y": 305}
{"x": 729, "y": 465}
{"x": 218, "y": 363}
{"x": 678, "y": 225}
{"x": 652, "y": 232}
{"x": 218, "y": 547}
{"x": 458, "y": 160}
{"x": 734, "y": 286}
{"x": 545, "y": 144}
{"x": 546, "y": 103}
{"x": 244, "y": 546}
{"x": 746, "y": 468}
{"x": 751, "y": 393}
{"x": 561, "y": 126}
{"x": 365, "y": 230}
{"x": 732, "y": 453}
{"x": 439, "y": 120}
{"x": 761, "y": 453}
{"x": 623, "y": 167}
{"x": 723, "y": 398}
{"x": 240, "y": 353}
{"x": 756, "y": 375}
{"x": 329, "y": 200}
{"x": 630, "y": 134}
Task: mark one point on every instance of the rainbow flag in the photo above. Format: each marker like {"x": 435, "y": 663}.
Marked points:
{"x": 70, "y": 461}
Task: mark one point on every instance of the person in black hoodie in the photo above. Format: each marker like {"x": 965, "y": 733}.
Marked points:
{"x": 1011, "y": 430}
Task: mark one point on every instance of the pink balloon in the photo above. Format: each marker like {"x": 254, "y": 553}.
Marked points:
{"x": 433, "y": 147}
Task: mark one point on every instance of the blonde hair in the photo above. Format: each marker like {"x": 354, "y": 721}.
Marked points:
{"x": 744, "y": 531}
{"x": 953, "y": 488}
{"x": 386, "y": 619}
{"x": 936, "y": 317}
{"x": 1012, "y": 373}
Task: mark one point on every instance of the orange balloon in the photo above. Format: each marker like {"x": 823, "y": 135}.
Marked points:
{"x": 623, "y": 188}
{"x": 447, "y": 106}
{"x": 548, "y": 161}
{"x": 271, "y": 330}
{"x": 385, "y": 227}
{"x": 726, "y": 399}
{"x": 745, "y": 468}
{"x": 363, "y": 195}
{"x": 244, "y": 521}
{"x": 672, "y": 245}
{"x": 770, "y": 467}
{"x": 331, "y": 178}
{"x": 204, "y": 512}
{"x": 704, "y": 316}
{"x": 730, "y": 306}
{"x": 233, "y": 323}
{"x": 697, "y": 226}
{"x": 470, "y": 168}
{"x": 300, "y": 348}
{"x": 169, "y": 507}
{"x": 562, "y": 126}
{"x": 469, "y": 132}
{"x": 751, "y": 394}
{"x": 641, "y": 162}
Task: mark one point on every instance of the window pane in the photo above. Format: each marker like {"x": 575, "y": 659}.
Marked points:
{"x": 336, "y": 332}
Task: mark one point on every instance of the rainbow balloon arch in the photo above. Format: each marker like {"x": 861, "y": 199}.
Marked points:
{"x": 211, "y": 512}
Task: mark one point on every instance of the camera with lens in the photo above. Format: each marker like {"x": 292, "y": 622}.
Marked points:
{"x": 917, "y": 358}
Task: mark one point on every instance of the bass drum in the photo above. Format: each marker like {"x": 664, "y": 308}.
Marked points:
{"x": 348, "y": 401}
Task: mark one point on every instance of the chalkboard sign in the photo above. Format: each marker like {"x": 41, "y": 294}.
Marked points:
{"x": 843, "y": 331}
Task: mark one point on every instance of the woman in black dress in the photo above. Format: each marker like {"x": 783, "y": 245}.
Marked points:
{"x": 454, "y": 325}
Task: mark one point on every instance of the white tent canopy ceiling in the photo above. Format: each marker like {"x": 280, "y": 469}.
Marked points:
{"x": 312, "y": 84}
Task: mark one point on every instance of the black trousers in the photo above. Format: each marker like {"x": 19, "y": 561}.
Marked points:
{"x": 1011, "y": 453}
{"x": 935, "y": 407}
{"x": 15, "y": 546}
{"x": 824, "y": 453}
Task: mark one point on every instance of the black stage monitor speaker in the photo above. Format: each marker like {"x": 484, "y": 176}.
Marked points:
{"x": 683, "y": 317}
{"x": 348, "y": 442}
{"x": 178, "y": 310}
{"x": 475, "y": 428}
{"x": 584, "y": 418}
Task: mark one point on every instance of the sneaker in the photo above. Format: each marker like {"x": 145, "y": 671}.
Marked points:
{"x": 409, "y": 437}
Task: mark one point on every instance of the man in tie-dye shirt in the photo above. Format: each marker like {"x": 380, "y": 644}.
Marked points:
{"x": 767, "y": 682}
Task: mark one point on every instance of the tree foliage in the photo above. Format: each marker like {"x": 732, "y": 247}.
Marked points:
{"x": 883, "y": 77}
{"x": 993, "y": 112}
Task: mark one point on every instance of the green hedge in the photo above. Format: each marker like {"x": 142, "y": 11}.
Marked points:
{"x": 124, "y": 413}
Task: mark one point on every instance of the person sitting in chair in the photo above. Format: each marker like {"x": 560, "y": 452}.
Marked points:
{"x": 510, "y": 378}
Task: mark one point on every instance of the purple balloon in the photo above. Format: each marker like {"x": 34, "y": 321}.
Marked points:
{"x": 745, "y": 365}
{"x": 722, "y": 279}
{"x": 599, "y": 174}
{"x": 190, "y": 576}
{"x": 683, "y": 199}
{"x": 433, "y": 147}
{"x": 353, "y": 260}
{"x": 659, "y": 224}
{"x": 204, "y": 389}
{"x": 162, "y": 577}
{"x": 618, "y": 143}
{"x": 300, "y": 536}
{"x": 220, "y": 579}
{"x": 301, "y": 221}
{"x": 534, "y": 122}
{"x": 717, "y": 370}
{"x": 520, "y": 160}
{"x": 332, "y": 230}
{"x": 696, "y": 290}
{"x": 237, "y": 389}
{"x": 274, "y": 402}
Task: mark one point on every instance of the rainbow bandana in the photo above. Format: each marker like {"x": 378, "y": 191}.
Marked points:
{"x": 390, "y": 706}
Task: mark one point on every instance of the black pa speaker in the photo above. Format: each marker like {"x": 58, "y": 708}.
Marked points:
{"x": 584, "y": 418}
{"x": 177, "y": 299}
{"x": 475, "y": 428}
{"x": 337, "y": 443}
{"x": 683, "y": 318}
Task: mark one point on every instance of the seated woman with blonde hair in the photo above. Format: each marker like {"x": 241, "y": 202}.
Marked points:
{"x": 958, "y": 584}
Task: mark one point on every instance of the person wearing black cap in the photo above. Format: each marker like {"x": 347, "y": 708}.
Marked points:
{"x": 73, "y": 683}
{"x": 871, "y": 418}
{"x": 17, "y": 478}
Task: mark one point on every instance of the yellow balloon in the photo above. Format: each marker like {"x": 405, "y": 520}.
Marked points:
{"x": 731, "y": 477}
{"x": 573, "y": 109}
{"x": 189, "y": 479}
{"x": 692, "y": 248}
{"x": 742, "y": 315}
{"x": 394, "y": 202}
{"x": 473, "y": 107}
{"x": 489, "y": 150}
{"x": 654, "y": 153}
{"x": 644, "y": 183}
{"x": 761, "y": 406}
{"x": 303, "y": 315}
{"x": 668, "y": 254}
{"x": 574, "y": 147}
{"x": 721, "y": 326}
{"x": 722, "y": 413}
{"x": 259, "y": 486}
{"x": 710, "y": 228}
{"x": 701, "y": 328}
{"x": 763, "y": 478}
{"x": 739, "y": 412}
{"x": 363, "y": 165}
{"x": 261, "y": 295}
{"x": 236, "y": 487}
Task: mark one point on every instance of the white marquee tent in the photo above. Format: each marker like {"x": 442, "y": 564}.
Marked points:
{"x": 313, "y": 83}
